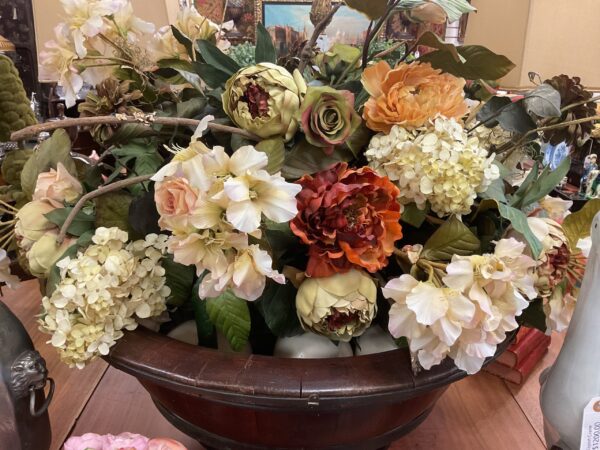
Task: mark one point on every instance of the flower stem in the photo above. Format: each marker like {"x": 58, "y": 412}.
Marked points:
{"x": 34, "y": 130}
{"x": 92, "y": 195}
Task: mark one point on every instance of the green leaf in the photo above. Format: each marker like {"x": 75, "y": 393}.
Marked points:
{"x": 546, "y": 182}
{"x": 80, "y": 225}
{"x": 127, "y": 132}
{"x": 231, "y": 316}
{"x": 112, "y": 210}
{"x": 192, "y": 108}
{"x": 479, "y": 63}
{"x": 579, "y": 224}
{"x": 180, "y": 279}
{"x": 452, "y": 238}
{"x": 373, "y": 9}
{"x": 207, "y": 335}
{"x": 275, "y": 150}
{"x": 52, "y": 151}
{"x": 278, "y": 307}
{"x": 212, "y": 76}
{"x": 518, "y": 219}
{"x": 308, "y": 159}
{"x": 455, "y": 8}
{"x": 534, "y": 316}
{"x": 543, "y": 101}
{"x": 146, "y": 159}
{"x": 186, "y": 69}
{"x": 265, "y": 50}
{"x": 430, "y": 39}
{"x": 414, "y": 216}
{"x": 216, "y": 58}
{"x": 143, "y": 215}
{"x": 358, "y": 141}
{"x": 183, "y": 40}
{"x": 54, "y": 275}
{"x": 495, "y": 191}
{"x": 527, "y": 184}
{"x": 511, "y": 116}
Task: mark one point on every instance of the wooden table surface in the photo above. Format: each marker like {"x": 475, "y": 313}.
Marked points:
{"x": 480, "y": 412}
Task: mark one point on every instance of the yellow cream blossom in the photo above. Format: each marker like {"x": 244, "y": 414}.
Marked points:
{"x": 439, "y": 164}
{"x": 101, "y": 293}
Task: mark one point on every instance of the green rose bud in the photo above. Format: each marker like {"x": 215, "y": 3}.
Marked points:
{"x": 264, "y": 99}
{"x": 45, "y": 252}
{"x": 32, "y": 224}
{"x": 328, "y": 117}
{"x": 340, "y": 59}
{"x": 340, "y": 307}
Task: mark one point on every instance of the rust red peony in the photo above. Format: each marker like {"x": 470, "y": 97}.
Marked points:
{"x": 349, "y": 218}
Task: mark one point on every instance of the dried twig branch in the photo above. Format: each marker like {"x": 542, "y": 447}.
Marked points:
{"x": 92, "y": 195}
{"x": 34, "y": 130}
{"x": 306, "y": 52}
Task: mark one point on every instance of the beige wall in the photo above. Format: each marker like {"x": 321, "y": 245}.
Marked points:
{"x": 501, "y": 26}
{"x": 48, "y": 13}
{"x": 549, "y": 37}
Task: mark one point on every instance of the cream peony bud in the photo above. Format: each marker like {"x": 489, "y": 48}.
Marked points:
{"x": 340, "y": 307}
{"x": 57, "y": 186}
{"x": 32, "y": 224}
{"x": 45, "y": 252}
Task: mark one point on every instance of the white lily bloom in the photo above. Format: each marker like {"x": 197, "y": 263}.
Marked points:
{"x": 556, "y": 208}
{"x": 245, "y": 276}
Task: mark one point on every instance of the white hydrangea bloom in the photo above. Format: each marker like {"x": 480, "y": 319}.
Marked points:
{"x": 101, "y": 293}
{"x": 440, "y": 164}
{"x": 470, "y": 314}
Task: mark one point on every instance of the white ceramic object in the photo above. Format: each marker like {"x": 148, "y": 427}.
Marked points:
{"x": 188, "y": 333}
{"x": 574, "y": 379}
{"x": 375, "y": 340}
{"x": 310, "y": 345}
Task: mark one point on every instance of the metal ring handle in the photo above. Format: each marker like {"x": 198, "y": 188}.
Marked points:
{"x": 46, "y": 403}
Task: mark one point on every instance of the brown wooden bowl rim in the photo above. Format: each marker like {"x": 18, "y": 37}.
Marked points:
{"x": 235, "y": 378}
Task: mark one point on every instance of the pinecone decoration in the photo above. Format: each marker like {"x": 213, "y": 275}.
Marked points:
{"x": 112, "y": 97}
{"x": 319, "y": 11}
{"x": 572, "y": 91}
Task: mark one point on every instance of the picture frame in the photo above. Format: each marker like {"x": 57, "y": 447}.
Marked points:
{"x": 291, "y": 19}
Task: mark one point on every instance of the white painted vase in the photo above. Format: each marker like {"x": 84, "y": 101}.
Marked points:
{"x": 574, "y": 379}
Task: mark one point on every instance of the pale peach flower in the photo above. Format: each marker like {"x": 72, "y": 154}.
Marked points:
{"x": 410, "y": 95}
{"x": 175, "y": 200}
{"x": 57, "y": 186}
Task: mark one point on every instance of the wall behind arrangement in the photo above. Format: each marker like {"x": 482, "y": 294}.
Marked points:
{"x": 549, "y": 37}
{"x": 48, "y": 13}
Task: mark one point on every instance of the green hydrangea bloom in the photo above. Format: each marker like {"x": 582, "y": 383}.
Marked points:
{"x": 15, "y": 110}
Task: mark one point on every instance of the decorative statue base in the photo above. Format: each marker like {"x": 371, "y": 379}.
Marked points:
{"x": 23, "y": 375}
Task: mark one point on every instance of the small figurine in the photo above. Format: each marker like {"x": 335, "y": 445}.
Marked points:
{"x": 591, "y": 184}
{"x": 589, "y": 165}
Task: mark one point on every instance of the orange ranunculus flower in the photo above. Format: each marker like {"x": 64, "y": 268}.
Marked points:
{"x": 410, "y": 95}
{"x": 349, "y": 218}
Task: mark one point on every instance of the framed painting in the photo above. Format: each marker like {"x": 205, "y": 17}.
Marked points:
{"x": 288, "y": 22}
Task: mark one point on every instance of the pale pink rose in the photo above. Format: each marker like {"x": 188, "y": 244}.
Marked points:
{"x": 57, "y": 186}
{"x": 87, "y": 441}
{"x": 175, "y": 200}
{"x": 126, "y": 441}
{"x": 165, "y": 444}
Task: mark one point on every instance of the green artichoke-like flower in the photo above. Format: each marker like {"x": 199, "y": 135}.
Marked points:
{"x": 335, "y": 62}
{"x": 15, "y": 111}
{"x": 340, "y": 307}
{"x": 265, "y": 99}
{"x": 328, "y": 117}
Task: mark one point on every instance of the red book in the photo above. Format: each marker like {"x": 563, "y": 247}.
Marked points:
{"x": 519, "y": 350}
{"x": 520, "y": 373}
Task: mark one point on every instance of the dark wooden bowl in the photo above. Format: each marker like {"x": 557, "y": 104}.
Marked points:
{"x": 238, "y": 402}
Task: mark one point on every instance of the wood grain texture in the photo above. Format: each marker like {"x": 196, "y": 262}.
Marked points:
{"x": 478, "y": 412}
{"x": 73, "y": 387}
{"x": 527, "y": 395}
{"x": 121, "y": 404}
